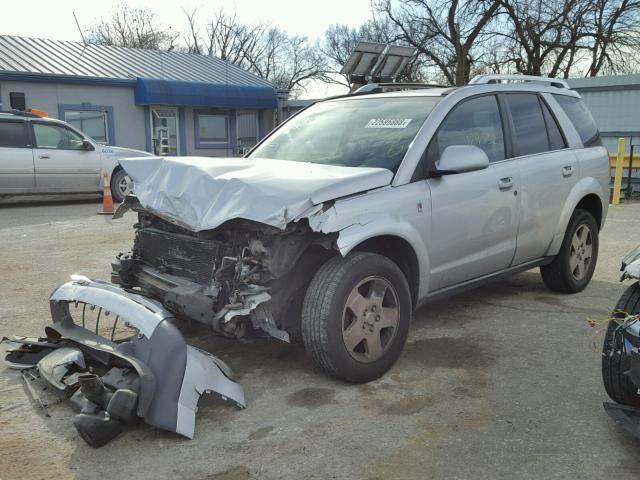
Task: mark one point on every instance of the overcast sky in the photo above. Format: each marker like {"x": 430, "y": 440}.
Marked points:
{"x": 54, "y": 18}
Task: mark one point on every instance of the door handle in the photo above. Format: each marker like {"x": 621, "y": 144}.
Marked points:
{"x": 567, "y": 170}
{"x": 505, "y": 183}
{"x": 44, "y": 155}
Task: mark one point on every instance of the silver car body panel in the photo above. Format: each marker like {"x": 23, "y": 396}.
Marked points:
{"x": 201, "y": 194}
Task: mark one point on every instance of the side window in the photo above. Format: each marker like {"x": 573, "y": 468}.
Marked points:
{"x": 476, "y": 122}
{"x": 581, "y": 118}
{"x": 556, "y": 139}
{"x": 13, "y": 135}
{"x": 530, "y": 133}
{"x": 54, "y": 136}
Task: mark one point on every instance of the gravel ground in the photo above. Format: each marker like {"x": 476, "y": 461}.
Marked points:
{"x": 501, "y": 382}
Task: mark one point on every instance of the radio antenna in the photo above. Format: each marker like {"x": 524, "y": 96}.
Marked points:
{"x": 79, "y": 29}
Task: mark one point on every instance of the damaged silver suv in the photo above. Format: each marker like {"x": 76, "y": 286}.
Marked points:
{"x": 361, "y": 208}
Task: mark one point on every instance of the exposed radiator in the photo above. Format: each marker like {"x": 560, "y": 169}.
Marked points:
{"x": 178, "y": 254}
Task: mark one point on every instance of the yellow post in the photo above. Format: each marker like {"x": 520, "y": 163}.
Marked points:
{"x": 617, "y": 183}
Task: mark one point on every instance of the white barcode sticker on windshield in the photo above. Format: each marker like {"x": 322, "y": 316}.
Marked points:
{"x": 388, "y": 123}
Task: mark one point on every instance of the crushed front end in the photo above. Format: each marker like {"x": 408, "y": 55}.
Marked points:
{"x": 239, "y": 278}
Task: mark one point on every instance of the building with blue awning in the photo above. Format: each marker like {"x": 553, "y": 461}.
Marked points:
{"x": 169, "y": 103}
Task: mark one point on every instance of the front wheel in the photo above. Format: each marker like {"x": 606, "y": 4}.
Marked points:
{"x": 356, "y": 315}
{"x": 571, "y": 270}
{"x": 121, "y": 185}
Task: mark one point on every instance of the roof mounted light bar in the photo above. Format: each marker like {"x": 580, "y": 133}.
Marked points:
{"x": 486, "y": 79}
{"x": 20, "y": 113}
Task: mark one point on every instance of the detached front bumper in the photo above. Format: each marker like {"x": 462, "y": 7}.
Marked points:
{"x": 163, "y": 376}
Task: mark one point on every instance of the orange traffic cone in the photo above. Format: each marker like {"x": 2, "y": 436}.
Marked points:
{"x": 107, "y": 201}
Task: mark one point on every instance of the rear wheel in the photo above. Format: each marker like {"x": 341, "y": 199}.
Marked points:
{"x": 571, "y": 270}
{"x": 356, "y": 316}
{"x": 614, "y": 363}
{"x": 121, "y": 185}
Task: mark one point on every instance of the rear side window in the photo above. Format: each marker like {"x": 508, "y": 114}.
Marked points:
{"x": 556, "y": 139}
{"x": 530, "y": 132}
{"x": 476, "y": 122}
{"x": 581, "y": 118}
{"x": 13, "y": 135}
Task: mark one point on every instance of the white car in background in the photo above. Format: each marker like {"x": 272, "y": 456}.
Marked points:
{"x": 47, "y": 156}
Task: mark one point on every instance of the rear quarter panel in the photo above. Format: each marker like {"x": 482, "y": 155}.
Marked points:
{"x": 593, "y": 167}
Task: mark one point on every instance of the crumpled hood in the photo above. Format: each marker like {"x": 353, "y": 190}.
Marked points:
{"x": 202, "y": 192}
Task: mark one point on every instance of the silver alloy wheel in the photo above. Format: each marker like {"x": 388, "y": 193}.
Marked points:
{"x": 125, "y": 186}
{"x": 581, "y": 252}
{"x": 370, "y": 319}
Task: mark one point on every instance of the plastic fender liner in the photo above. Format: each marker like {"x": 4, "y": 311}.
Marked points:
{"x": 173, "y": 374}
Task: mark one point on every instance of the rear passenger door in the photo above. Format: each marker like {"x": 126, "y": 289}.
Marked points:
{"x": 548, "y": 171}
{"x": 16, "y": 158}
{"x": 474, "y": 215}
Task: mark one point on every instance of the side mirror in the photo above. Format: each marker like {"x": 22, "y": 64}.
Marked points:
{"x": 461, "y": 159}
{"x": 87, "y": 145}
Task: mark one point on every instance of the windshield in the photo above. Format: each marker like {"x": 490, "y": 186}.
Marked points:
{"x": 357, "y": 132}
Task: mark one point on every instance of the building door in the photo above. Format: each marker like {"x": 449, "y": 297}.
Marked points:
{"x": 247, "y": 130}
{"x": 164, "y": 131}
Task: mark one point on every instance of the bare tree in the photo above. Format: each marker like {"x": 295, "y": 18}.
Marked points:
{"x": 225, "y": 37}
{"x": 132, "y": 27}
{"x": 287, "y": 62}
{"x": 543, "y": 36}
{"x": 614, "y": 29}
{"x": 447, "y": 34}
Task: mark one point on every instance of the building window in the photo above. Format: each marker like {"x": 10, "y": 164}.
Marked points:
{"x": 247, "y": 124}
{"x": 91, "y": 122}
{"x": 212, "y": 129}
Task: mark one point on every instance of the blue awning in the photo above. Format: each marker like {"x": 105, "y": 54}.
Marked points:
{"x": 150, "y": 91}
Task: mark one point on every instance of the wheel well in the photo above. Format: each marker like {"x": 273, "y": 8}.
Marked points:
{"x": 401, "y": 253}
{"x": 591, "y": 203}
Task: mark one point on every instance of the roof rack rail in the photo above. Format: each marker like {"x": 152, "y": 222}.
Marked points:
{"x": 394, "y": 86}
{"x": 485, "y": 79}
{"x": 20, "y": 113}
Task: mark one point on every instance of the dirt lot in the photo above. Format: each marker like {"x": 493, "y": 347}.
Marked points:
{"x": 502, "y": 382}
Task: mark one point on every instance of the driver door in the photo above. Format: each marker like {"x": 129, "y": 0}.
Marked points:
{"x": 474, "y": 214}
{"x": 61, "y": 161}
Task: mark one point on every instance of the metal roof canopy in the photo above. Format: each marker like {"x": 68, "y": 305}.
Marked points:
{"x": 34, "y": 59}
{"x": 372, "y": 60}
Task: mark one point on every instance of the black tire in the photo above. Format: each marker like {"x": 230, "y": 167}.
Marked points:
{"x": 614, "y": 365}
{"x": 116, "y": 178}
{"x": 558, "y": 275}
{"x": 324, "y": 309}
